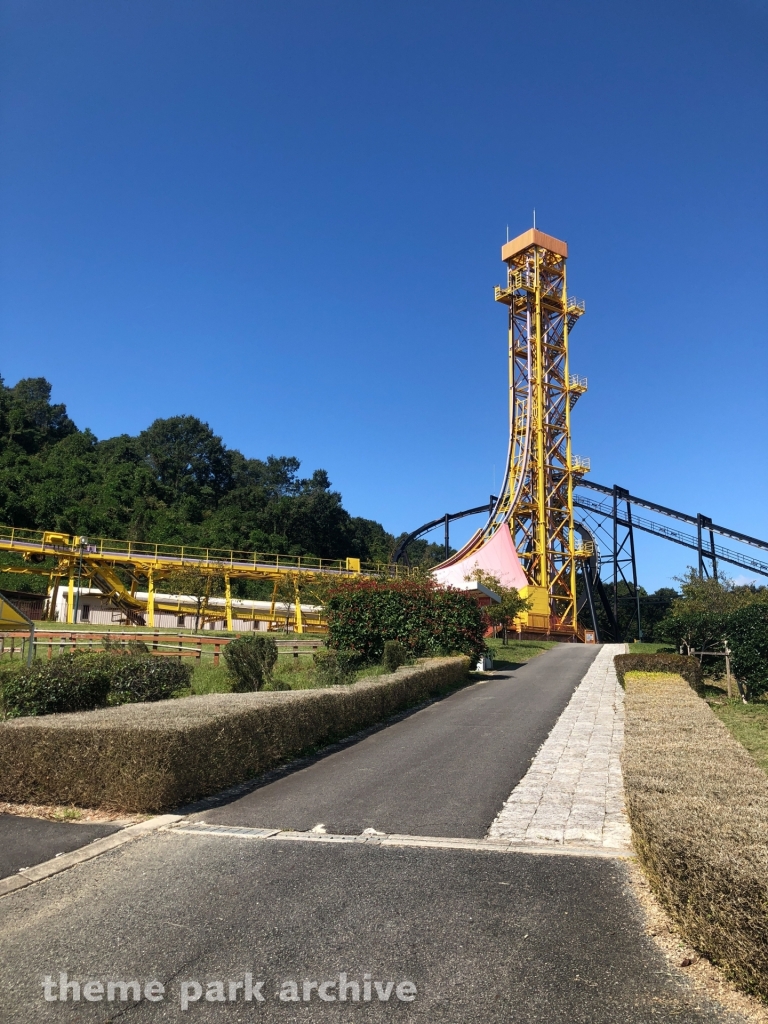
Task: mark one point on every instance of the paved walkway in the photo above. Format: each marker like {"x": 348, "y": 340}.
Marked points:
{"x": 444, "y": 770}
{"x": 573, "y": 792}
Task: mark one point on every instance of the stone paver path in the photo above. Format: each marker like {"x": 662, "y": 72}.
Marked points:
{"x": 573, "y": 793}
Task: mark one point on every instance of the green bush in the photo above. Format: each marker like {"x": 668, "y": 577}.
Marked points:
{"x": 675, "y": 664}
{"x": 71, "y": 682}
{"x": 84, "y": 681}
{"x": 135, "y": 679}
{"x": 748, "y": 640}
{"x": 427, "y": 620}
{"x": 336, "y": 668}
{"x": 701, "y": 630}
{"x": 394, "y": 655}
{"x": 250, "y": 660}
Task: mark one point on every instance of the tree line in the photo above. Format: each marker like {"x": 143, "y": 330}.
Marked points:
{"x": 175, "y": 482}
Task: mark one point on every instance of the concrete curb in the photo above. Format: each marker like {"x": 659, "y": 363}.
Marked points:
{"x": 27, "y": 876}
{"x": 384, "y": 839}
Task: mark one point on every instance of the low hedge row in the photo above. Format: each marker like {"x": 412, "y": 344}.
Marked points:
{"x": 83, "y": 681}
{"x": 674, "y": 664}
{"x": 152, "y": 757}
{"x": 698, "y": 805}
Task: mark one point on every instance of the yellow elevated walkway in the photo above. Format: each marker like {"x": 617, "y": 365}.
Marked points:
{"x": 118, "y": 569}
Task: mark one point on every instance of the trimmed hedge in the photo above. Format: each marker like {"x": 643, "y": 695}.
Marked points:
{"x": 84, "y": 681}
{"x": 674, "y": 664}
{"x": 426, "y": 619}
{"x": 698, "y": 805}
{"x": 72, "y": 682}
{"x": 153, "y": 757}
{"x": 137, "y": 679}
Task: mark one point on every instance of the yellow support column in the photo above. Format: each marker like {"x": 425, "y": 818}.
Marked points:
{"x": 228, "y": 601}
{"x": 298, "y": 621}
{"x": 540, "y": 442}
{"x": 71, "y": 593}
{"x": 272, "y": 621}
{"x": 150, "y": 598}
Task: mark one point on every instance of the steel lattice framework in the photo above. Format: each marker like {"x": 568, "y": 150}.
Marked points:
{"x": 537, "y": 497}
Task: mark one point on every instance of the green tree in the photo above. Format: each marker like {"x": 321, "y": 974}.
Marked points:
{"x": 501, "y": 613}
{"x": 193, "y": 582}
{"x": 175, "y": 482}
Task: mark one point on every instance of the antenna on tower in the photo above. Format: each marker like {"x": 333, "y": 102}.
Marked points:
{"x": 507, "y": 232}
{"x": 534, "y": 217}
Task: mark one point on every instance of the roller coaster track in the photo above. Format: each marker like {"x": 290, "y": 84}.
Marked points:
{"x": 677, "y": 536}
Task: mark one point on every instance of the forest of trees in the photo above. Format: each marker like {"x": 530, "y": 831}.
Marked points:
{"x": 175, "y": 482}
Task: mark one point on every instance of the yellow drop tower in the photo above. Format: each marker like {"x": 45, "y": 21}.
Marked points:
{"x": 537, "y": 497}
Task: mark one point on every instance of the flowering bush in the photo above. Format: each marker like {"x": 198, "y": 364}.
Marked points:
{"x": 426, "y": 619}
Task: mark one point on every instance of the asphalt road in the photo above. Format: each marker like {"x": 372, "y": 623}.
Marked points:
{"x": 484, "y": 937}
{"x": 25, "y": 842}
{"x": 444, "y": 771}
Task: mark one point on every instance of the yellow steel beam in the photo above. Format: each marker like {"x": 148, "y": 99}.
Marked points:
{"x": 71, "y": 592}
{"x": 228, "y": 592}
{"x": 298, "y": 625}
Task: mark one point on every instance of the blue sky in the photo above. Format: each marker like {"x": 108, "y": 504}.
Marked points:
{"x": 285, "y": 218}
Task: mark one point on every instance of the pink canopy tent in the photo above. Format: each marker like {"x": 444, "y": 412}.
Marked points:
{"x": 497, "y": 557}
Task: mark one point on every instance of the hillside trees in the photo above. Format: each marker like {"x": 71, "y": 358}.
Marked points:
{"x": 175, "y": 482}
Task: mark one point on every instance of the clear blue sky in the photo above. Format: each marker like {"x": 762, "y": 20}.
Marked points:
{"x": 285, "y": 218}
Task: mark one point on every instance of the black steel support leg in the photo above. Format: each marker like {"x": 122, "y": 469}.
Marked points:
{"x": 590, "y": 598}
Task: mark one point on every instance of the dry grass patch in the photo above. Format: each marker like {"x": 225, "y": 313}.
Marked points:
{"x": 153, "y": 757}
{"x": 698, "y": 805}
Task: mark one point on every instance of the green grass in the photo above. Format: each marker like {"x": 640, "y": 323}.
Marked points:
{"x": 67, "y": 814}
{"x": 517, "y": 652}
{"x": 747, "y": 722}
{"x": 207, "y": 678}
{"x": 296, "y": 673}
{"x": 641, "y": 648}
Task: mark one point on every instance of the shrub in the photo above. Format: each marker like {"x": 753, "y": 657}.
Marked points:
{"x": 250, "y": 659}
{"x": 84, "y": 681}
{"x": 335, "y": 668}
{"x": 748, "y": 641}
{"x": 427, "y": 620}
{"x": 674, "y": 664}
{"x": 136, "y": 679}
{"x": 394, "y": 656}
{"x": 71, "y": 682}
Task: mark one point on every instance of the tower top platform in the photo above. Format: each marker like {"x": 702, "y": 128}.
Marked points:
{"x": 533, "y": 237}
